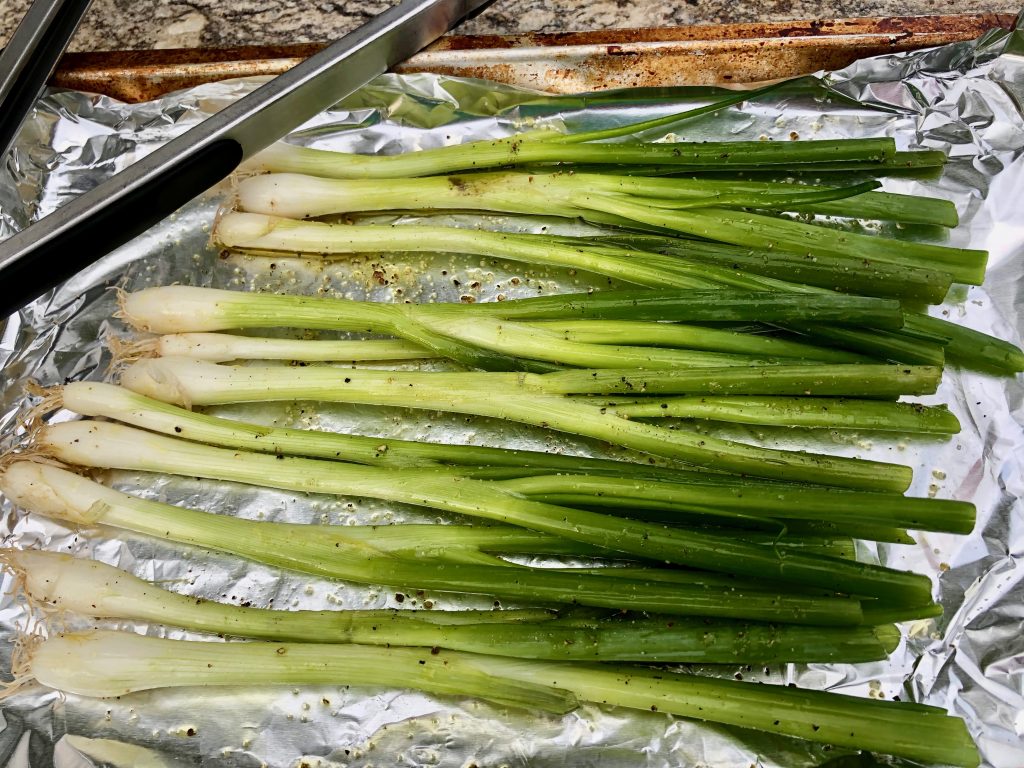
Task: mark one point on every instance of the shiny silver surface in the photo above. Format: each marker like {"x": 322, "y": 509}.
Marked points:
{"x": 964, "y": 98}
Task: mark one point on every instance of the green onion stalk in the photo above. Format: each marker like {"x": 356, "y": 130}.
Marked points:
{"x": 924, "y": 339}
{"x": 972, "y": 349}
{"x": 588, "y": 196}
{"x": 543, "y": 148}
{"x": 688, "y": 264}
{"x": 119, "y": 403}
{"x": 226, "y": 347}
{"x": 482, "y": 336}
{"x": 820, "y": 412}
{"x": 539, "y": 400}
{"x": 745, "y": 228}
{"x": 106, "y": 445}
{"x": 847, "y": 274}
{"x": 540, "y": 147}
{"x": 560, "y": 479}
{"x": 103, "y": 663}
{"x": 62, "y": 495}
{"x": 887, "y": 345}
{"x": 93, "y": 589}
{"x": 174, "y": 309}
{"x": 274, "y": 235}
{"x": 328, "y": 551}
{"x": 758, "y": 501}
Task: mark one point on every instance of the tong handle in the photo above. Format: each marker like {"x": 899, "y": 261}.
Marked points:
{"x": 87, "y": 239}
{"x": 30, "y": 57}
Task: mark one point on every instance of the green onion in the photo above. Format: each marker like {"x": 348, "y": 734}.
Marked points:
{"x": 733, "y": 347}
{"x": 869, "y": 277}
{"x": 874, "y": 608}
{"x": 680, "y": 490}
{"x": 97, "y": 399}
{"x": 887, "y": 345}
{"x": 826, "y": 380}
{"x": 713, "y": 306}
{"x": 517, "y": 150}
{"x": 260, "y": 234}
{"x": 535, "y": 400}
{"x": 99, "y": 444}
{"x": 631, "y": 129}
{"x": 729, "y": 524}
{"x": 100, "y": 663}
{"x": 62, "y": 495}
{"x": 578, "y": 195}
{"x": 894, "y": 727}
{"x": 887, "y": 206}
{"x": 689, "y": 263}
{"x": 101, "y": 591}
{"x": 755, "y": 230}
{"x": 176, "y": 309}
{"x": 765, "y": 501}
{"x": 514, "y": 338}
{"x": 483, "y": 336}
{"x": 855, "y": 200}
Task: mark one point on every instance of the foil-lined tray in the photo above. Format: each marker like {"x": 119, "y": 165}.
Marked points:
{"x": 965, "y": 98}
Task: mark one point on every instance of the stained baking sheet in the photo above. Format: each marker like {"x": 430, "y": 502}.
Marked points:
{"x": 571, "y": 62}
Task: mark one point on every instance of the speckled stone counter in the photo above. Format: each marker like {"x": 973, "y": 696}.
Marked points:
{"x": 141, "y": 24}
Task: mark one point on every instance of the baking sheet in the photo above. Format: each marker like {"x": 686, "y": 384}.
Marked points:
{"x": 568, "y": 62}
{"x": 963, "y": 98}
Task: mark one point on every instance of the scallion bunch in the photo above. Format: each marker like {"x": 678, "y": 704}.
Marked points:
{"x": 749, "y": 302}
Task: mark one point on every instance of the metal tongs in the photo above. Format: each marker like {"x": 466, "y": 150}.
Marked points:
{"x": 109, "y": 215}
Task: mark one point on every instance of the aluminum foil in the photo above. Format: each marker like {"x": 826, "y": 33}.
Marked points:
{"x": 965, "y": 99}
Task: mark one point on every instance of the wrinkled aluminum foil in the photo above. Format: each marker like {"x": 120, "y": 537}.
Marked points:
{"x": 966, "y": 99}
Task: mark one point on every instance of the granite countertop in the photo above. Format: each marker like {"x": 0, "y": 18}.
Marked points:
{"x": 142, "y": 24}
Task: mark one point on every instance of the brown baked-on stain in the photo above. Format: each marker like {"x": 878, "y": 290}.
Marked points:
{"x": 618, "y": 50}
{"x": 569, "y": 62}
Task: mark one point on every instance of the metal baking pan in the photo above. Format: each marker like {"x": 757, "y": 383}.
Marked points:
{"x": 569, "y": 62}
{"x": 975, "y": 667}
